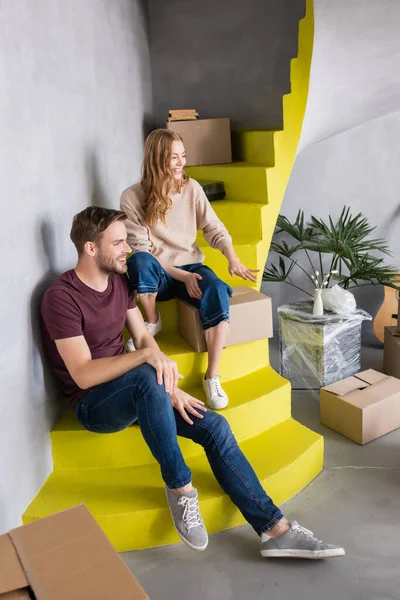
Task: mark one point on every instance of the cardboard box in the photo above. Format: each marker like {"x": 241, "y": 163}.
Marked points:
{"x": 391, "y": 352}
{"x": 207, "y": 141}
{"x": 363, "y": 407}
{"x": 250, "y": 319}
{"x": 62, "y": 557}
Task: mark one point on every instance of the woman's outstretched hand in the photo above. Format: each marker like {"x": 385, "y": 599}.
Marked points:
{"x": 235, "y": 267}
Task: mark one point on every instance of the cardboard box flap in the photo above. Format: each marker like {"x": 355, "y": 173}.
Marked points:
{"x": 371, "y": 376}
{"x": 12, "y": 575}
{"x": 345, "y": 386}
{"x": 17, "y": 595}
{"x": 67, "y": 556}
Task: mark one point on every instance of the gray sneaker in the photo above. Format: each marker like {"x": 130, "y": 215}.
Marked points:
{"x": 298, "y": 542}
{"x": 187, "y": 519}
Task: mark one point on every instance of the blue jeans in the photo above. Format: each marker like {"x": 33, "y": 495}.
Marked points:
{"x": 148, "y": 277}
{"x": 136, "y": 396}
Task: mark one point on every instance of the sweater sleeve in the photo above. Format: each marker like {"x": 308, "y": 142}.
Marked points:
{"x": 214, "y": 231}
{"x": 138, "y": 233}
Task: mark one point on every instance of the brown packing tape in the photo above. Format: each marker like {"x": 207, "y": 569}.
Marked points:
{"x": 371, "y": 376}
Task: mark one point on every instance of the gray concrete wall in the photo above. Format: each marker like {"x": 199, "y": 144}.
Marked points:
{"x": 349, "y": 151}
{"x": 226, "y": 58}
{"x": 75, "y": 95}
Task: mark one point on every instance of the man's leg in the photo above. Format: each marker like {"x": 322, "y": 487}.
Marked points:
{"x": 136, "y": 396}
{"x": 232, "y": 469}
{"x": 115, "y": 405}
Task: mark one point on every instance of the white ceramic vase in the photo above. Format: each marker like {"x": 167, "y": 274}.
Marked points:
{"x": 318, "y": 308}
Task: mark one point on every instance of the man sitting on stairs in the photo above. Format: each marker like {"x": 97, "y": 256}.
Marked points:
{"x": 84, "y": 312}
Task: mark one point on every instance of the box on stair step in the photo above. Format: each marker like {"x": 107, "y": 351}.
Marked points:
{"x": 207, "y": 141}
{"x": 250, "y": 319}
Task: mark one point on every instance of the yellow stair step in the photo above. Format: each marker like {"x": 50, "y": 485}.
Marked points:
{"x": 256, "y": 402}
{"x": 243, "y": 181}
{"x": 255, "y": 146}
{"x": 246, "y": 250}
{"x": 236, "y": 361}
{"x": 241, "y": 218}
{"x": 129, "y": 502}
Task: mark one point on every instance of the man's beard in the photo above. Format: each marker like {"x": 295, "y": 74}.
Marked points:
{"x": 109, "y": 265}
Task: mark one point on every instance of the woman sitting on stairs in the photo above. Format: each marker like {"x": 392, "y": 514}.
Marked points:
{"x": 165, "y": 211}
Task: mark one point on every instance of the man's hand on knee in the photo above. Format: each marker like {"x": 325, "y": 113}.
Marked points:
{"x": 166, "y": 369}
{"x": 184, "y": 404}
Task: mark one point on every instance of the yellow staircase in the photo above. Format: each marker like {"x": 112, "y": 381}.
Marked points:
{"x": 116, "y": 475}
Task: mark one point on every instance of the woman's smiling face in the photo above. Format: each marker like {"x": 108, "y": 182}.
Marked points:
{"x": 178, "y": 159}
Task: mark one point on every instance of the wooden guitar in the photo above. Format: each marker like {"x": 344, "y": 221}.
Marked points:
{"x": 387, "y": 314}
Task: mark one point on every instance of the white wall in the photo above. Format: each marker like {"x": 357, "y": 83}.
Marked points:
{"x": 75, "y": 95}
{"x": 349, "y": 150}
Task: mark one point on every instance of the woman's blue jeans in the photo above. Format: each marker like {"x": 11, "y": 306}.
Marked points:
{"x": 136, "y": 396}
{"x": 148, "y": 277}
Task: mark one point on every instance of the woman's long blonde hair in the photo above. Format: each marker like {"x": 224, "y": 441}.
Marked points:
{"x": 157, "y": 177}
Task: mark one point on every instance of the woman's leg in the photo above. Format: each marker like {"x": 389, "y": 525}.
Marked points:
{"x": 215, "y": 340}
{"x": 150, "y": 281}
{"x": 214, "y": 314}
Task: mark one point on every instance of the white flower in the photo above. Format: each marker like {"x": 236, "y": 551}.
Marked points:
{"x": 317, "y": 273}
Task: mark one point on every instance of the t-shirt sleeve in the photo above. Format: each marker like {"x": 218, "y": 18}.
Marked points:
{"x": 61, "y": 315}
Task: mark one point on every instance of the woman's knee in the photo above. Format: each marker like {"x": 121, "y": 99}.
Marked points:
{"x": 144, "y": 272}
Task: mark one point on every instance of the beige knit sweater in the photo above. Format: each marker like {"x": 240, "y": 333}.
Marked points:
{"x": 175, "y": 241}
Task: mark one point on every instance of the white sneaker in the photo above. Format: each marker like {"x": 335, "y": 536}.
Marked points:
{"x": 153, "y": 328}
{"x": 216, "y": 397}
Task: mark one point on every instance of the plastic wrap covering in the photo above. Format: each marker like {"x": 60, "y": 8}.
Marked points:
{"x": 317, "y": 351}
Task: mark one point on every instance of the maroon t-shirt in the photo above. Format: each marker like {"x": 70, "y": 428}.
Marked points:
{"x": 70, "y": 308}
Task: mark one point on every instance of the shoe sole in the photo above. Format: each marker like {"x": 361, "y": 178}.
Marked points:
{"x": 310, "y": 554}
{"x": 184, "y": 540}
{"x": 219, "y": 407}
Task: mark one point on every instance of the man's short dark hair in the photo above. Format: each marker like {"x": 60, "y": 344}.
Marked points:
{"x": 89, "y": 224}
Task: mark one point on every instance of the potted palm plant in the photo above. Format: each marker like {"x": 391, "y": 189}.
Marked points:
{"x": 352, "y": 253}
{"x": 317, "y": 349}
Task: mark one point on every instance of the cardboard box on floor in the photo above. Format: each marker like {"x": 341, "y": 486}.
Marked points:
{"x": 363, "y": 407}
{"x": 391, "y": 352}
{"x": 250, "y": 319}
{"x": 62, "y": 557}
{"x": 207, "y": 141}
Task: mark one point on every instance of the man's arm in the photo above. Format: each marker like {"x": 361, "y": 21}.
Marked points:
{"x": 137, "y": 329}
{"x": 87, "y": 372}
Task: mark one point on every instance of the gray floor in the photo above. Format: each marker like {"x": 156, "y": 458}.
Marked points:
{"x": 355, "y": 502}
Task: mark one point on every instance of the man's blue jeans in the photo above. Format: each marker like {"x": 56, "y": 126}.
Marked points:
{"x": 136, "y": 396}
{"x": 148, "y": 277}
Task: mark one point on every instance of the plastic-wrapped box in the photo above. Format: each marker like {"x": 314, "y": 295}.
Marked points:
{"x": 317, "y": 351}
